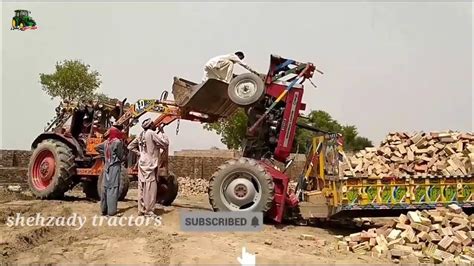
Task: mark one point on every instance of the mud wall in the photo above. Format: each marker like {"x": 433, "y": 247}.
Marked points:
{"x": 14, "y": 163}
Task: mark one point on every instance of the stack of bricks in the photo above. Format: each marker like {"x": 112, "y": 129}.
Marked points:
{"x": 417, "y": 154}
{"x": 13, "y": 165}
{"x": 192, "y": 186}
{"x": 430, "y": 236}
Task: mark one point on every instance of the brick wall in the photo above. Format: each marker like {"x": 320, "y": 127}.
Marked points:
{"x": 13, "y": 164}
{"x": 14, "y": 158}
{"x": 208, "y": 153}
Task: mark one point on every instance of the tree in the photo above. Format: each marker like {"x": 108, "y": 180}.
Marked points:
{"x": 361, "y": 143}
{"x": 232, "y": 131}
{"x": 323, "y": 120}
{"x": 72, "y": 80}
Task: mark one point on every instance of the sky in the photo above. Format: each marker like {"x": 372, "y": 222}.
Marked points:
{"x": 387, "y": 66}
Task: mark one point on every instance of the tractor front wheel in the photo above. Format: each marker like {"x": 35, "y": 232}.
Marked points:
{"x": 123, "y": 186}
{"x": 51, "y": 169}
{"x": 241, "y": 185}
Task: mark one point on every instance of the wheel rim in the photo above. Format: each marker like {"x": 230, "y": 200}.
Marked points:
{"x": 245, "y": 89}
{"x": 241, "y": 191}
{"x": 43, "y": 169}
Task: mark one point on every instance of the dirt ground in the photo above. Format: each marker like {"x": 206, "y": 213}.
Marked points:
{"x": 165, "y": 244}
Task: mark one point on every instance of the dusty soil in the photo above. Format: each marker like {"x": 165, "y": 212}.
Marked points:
{"x": 164, "y": 244}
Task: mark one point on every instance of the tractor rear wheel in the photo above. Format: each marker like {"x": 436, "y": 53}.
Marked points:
{"x": 51, "y": 169}
{"x": 90, "y": 189}
{"x": 167, "y": 190}
{"x": 246, "y": 89}
{"x": 123, "y": 186}
{"x": 241, "y": 185}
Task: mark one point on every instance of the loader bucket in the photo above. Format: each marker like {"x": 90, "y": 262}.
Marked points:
{"x": 208, "y": 98}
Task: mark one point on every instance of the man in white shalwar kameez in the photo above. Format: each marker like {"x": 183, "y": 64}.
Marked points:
{"x": 147, "y": 145}
{"x": 222, "y": 67}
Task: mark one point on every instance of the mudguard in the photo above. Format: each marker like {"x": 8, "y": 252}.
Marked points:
{"x": 69, "y": 141}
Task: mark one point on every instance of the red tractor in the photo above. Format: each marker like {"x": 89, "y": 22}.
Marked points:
{"x": 253, "y": 182}
{"x": 64, "y": 155}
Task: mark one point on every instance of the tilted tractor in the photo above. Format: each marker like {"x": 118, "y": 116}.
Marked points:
{"x": 64, "y": 156}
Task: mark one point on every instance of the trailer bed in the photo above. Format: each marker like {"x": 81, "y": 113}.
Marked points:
{"x": 371, "y": 197}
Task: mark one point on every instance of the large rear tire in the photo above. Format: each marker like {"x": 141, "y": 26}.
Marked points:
{"x": 123, "y": 186}
{"x": 51, "y": 169}
{"x": 241, "y": 185}
{"x": 90, "y": 189}
{"x": 246, "y": 89}
{"x": 167, "y": 190}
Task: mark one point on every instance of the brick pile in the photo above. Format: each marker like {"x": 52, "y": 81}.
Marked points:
{"x": 401, "y": 154}
{"x": 430, "y": 236}
{"x": 192, "y": 186}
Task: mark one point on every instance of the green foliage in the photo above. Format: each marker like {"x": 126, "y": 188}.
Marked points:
{"x": 323, "y": 120}
{"x": 232, "y": 131}
{"x": 359, "y": 143}
{"x": 102, "y": 97}
{"x": 72, "y": 80}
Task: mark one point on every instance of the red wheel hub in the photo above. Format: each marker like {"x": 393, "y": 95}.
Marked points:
{"x": 43, "y": 169}
{"x": 240, "y": 191}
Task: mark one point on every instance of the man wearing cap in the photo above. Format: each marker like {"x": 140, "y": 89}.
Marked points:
{"x": 112, "y": 150}
{"x": 147, "y": 146}
{"x": 222, "y": 67}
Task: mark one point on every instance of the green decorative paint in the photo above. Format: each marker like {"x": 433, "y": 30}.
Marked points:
{"x": 433, "y": 193}
{"x": 466, "y": 191}
{"x": 386, "y": 194}
{"x": 352, "y": 195}
{"x": 450, "y": 193}
{"x": 420, "y": 193}
{"x": 398, "y": 193}
{"x": 371, "y": 193}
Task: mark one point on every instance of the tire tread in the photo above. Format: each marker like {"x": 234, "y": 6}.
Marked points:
{"x": 249, "y": 163}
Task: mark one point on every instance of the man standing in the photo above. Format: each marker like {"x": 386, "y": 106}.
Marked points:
{"x": 112, "y": 151}
{"x": 147, "y": 146}
{"x": 222, "y": 67}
